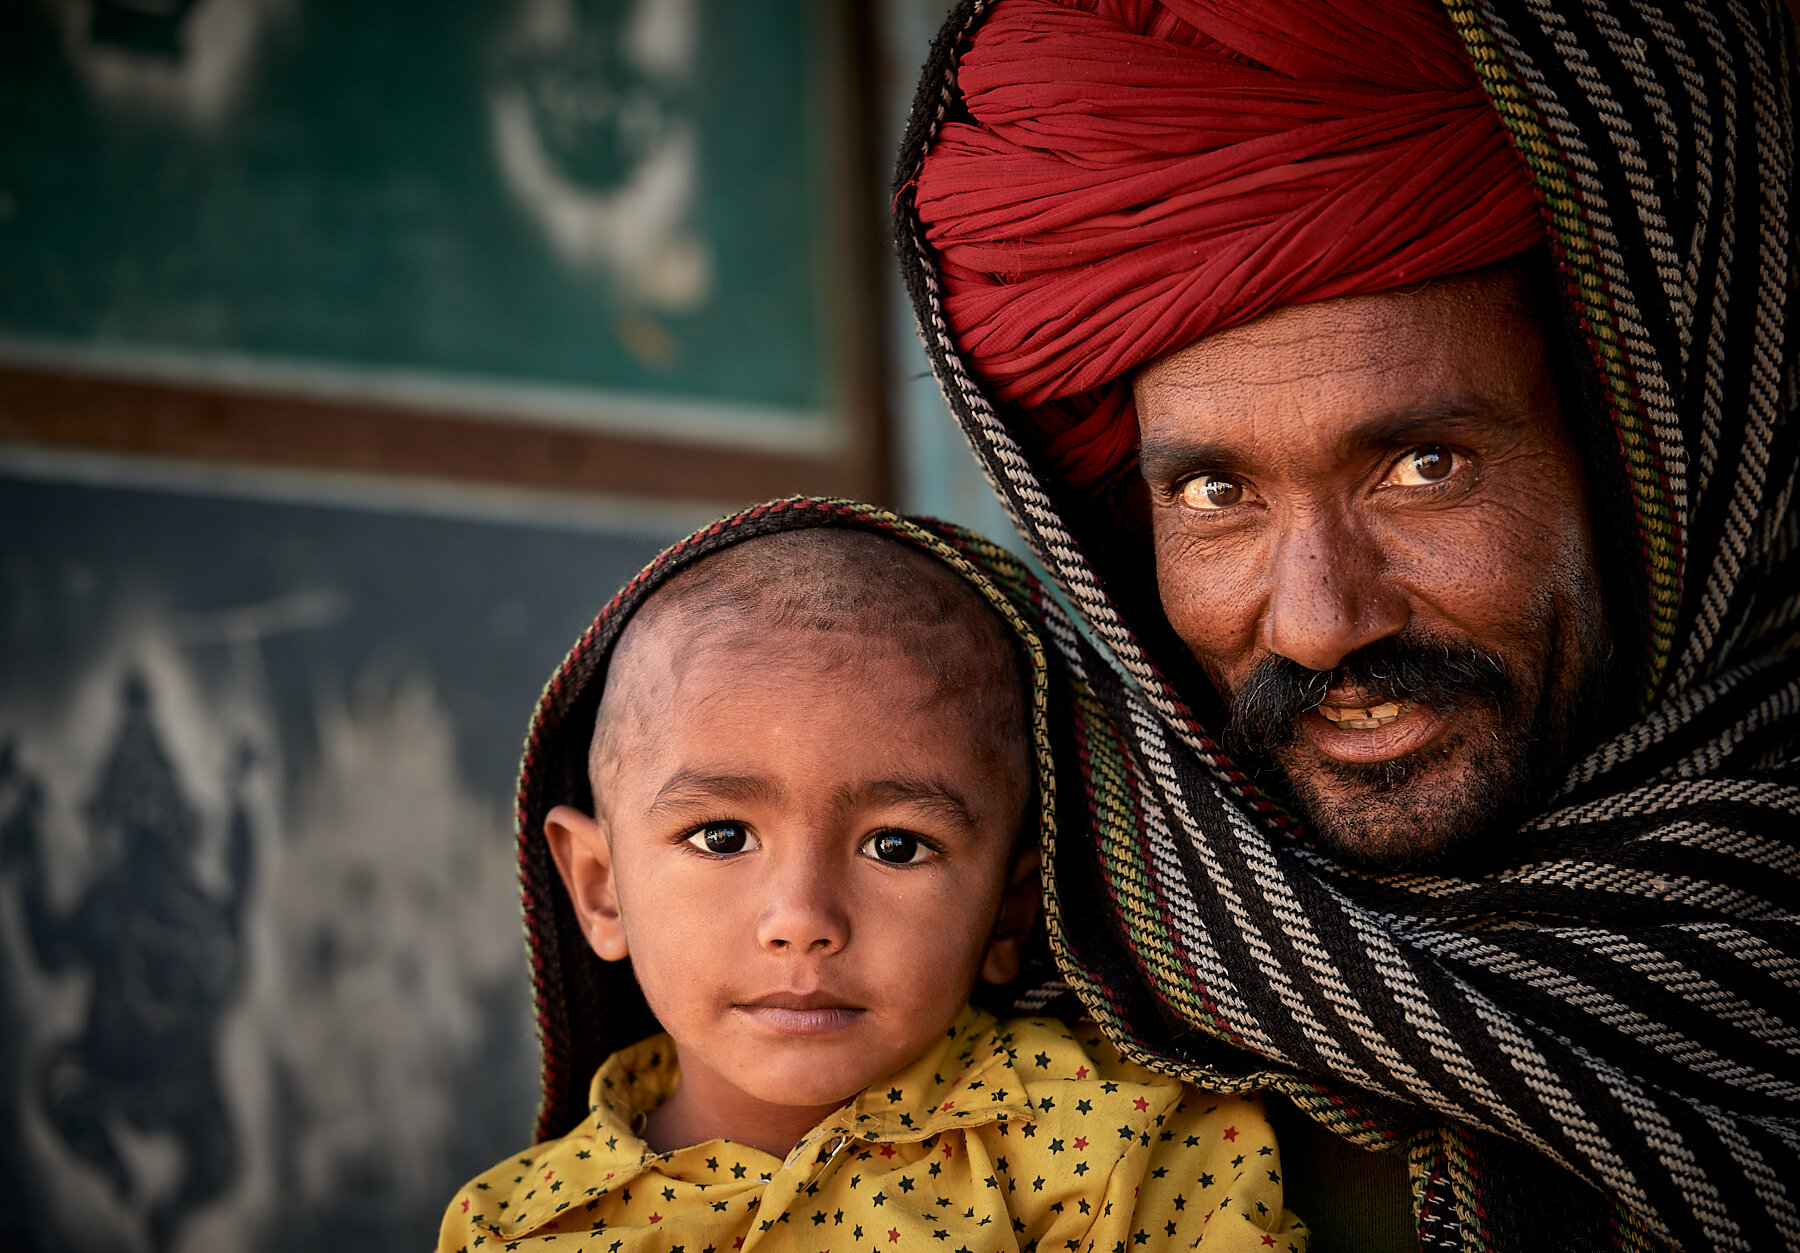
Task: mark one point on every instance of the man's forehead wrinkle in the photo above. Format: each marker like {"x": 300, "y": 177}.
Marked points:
{"x": 1167, "y": 447}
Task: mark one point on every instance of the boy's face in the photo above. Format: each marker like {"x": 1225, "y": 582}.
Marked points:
{"x": 804, "y": 857}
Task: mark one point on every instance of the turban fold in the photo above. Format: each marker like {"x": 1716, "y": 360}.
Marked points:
{"x": 1133, "y": 175}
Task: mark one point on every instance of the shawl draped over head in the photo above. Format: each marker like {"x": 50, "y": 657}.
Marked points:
{"x": 1594, "y": 1040}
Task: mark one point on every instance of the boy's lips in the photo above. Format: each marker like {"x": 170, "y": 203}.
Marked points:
{"x": 800, "y": 1013}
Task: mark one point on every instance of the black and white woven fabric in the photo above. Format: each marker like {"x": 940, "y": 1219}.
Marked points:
{"x": 1596, "y": 1042}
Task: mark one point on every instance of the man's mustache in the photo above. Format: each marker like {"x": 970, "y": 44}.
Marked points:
{"x": 1266, "y": 709}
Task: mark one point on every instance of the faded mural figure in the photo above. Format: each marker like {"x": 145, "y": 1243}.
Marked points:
{"x": 164, "y": 958}
{"x": 594, "y": 132}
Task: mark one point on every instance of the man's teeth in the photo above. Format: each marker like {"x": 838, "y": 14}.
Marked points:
{"x": 1360, "y": 719}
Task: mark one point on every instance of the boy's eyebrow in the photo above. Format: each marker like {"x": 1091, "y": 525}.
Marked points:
{"x": 932, "y": 796}
{"x": 687, "y": 786}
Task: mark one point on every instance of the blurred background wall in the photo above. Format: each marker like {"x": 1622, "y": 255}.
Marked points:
{"x": 351, "y": 354}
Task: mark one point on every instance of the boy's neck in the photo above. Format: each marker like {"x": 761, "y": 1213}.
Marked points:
{"x": 707, "y": 1106}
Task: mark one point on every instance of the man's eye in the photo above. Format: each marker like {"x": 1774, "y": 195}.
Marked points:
{"x": 1424, "y": 466}
{"x": 897, "y": 848}
{"x": 1211, "y": 491}
{"x": 723, "y": 838}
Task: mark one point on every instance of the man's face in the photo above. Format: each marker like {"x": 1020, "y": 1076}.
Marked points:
{"x": 807, "y": 855}
{"x": 1371, "y": 531}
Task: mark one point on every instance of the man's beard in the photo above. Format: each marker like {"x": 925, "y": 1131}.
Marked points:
{"x": 1440, "y": 800}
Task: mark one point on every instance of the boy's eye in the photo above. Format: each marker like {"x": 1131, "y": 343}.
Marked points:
{"x": 897, "y": 848}
{"x": 723, "y": 838}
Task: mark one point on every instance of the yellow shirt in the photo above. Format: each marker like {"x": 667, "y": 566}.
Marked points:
{"x": 1006, "y": 1135}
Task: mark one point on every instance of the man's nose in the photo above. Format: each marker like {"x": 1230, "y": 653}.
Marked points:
{"x": 803, "y": 910}
{"x": 1330, "y": 592}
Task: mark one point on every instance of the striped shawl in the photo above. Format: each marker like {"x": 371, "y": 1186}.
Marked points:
{"x": 1595, "y": 1043}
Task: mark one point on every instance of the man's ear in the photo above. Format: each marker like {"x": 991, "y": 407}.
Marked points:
{"x": 584, "y": 859}
{"x": 1018, "y": 911}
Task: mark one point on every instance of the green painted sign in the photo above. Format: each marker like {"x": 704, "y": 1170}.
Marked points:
{"x": 604, "y": 212}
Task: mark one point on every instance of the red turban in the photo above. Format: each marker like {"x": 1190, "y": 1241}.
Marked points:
{"x": 1138, "y": 175}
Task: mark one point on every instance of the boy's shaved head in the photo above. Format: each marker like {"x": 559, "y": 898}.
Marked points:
{"x": 821, "y": 598}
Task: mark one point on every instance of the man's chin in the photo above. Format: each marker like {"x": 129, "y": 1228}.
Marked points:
{"x": 1427, "y": 808}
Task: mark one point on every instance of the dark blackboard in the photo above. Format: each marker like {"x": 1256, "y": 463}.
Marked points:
{"x": 262, "y": 984}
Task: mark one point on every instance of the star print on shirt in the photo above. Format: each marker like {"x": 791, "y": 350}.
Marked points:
{"x": 1047, "y": 1189}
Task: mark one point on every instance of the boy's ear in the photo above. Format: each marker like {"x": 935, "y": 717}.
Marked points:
{"x": 584, "y": 859}
{"x": 1018, "y": 911}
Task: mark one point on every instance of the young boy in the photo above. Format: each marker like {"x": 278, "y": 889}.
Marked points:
{"x": 808, "y": 823}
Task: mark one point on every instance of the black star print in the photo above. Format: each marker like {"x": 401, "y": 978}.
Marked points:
{"x": 1043, "y": 1060}
{"x": 936, "y": 1168}
{"x": 906, "y": 1183}
{"x": 737, "y": 1170}
{"x": 1206, "y": 1181}
{"x": 837, "y": 1219}
{"x": 818, "y": 1218}
{"x": 1274, "y": 1178}
{"x": 1264, "y": 1151}
{"x": 1056, "y": 1146}
{"x": 718, "y": 1206}
{"x": 856, "y": 1232}
{"x": 1109, "y": 1086}
{"x": 1238, "y": 1160}
{"x": 1037, "y": 1185}
{"x": 1180, "y": 1201}
{"x": 668, "y": 1194}
{"x": 1191, "y": 1141}
{"x": 1082, "y": 1107}
{"x": 1140, "y": 1237}
{"x": 894, "y": 1094}
{"x": 1125, "y": 1133}
{"x": 1082, "y": 1202}
{"x": 1169, "y": 1227}
{"x": 1046, "y": 1104}
{"x": 1029, "y": 1131}
{"x": 880, "y": 1198}
{"x": 1159, "y": 1172}
{"x": 583, "y": 1155}
{"x": 712, "y": 1163}
{"x": 1081, "y": 1168}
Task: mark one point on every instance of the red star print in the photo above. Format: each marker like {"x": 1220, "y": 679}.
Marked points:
{"x": 887, "y": 1150}
{"x": 1081, "y": 1073}
{"x": 1140, "y": 1103}
{"x": 946, "y": 1107}
{"x": 946, "y": 1150}
{"x": 739, "y": 1242}
{"x": 893, "y": 1234}
{"x": 1231, "y": 1133}
{"x": 655, "y": 1217}
{"x": 465, "y": 1205}
{"x": 1269, "y": 1240}
{"x": 1081, "y": 1142}
{"x": 549, "y": 1174}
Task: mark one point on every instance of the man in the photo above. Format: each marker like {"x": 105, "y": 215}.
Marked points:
{"x": 1403, "y": 396}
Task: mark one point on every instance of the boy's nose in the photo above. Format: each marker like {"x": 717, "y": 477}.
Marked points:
{"x": 803, "y": 913}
